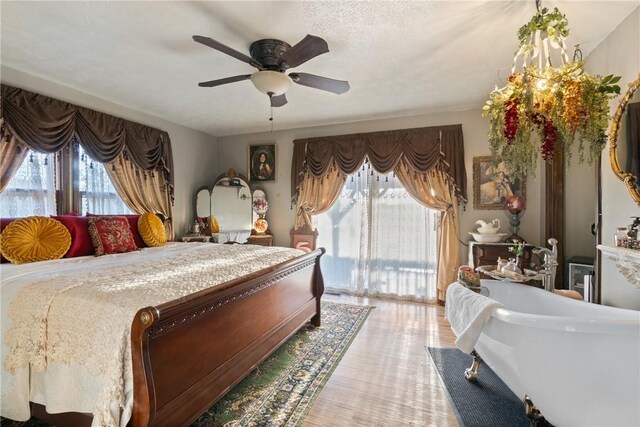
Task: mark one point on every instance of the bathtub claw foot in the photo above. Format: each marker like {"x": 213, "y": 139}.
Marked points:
{"x": 471, "y": 374}
{"x": 534, "y": 414}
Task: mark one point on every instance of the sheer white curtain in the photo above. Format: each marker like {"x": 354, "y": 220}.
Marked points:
{"x": 32, "y": 189}
{"x": 98, "y": 195}
{"x": 379, "y": 241}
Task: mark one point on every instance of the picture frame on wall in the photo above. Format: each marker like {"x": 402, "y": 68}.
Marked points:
{"x": 262, "y": 163}
{"x": 492, "y": 184}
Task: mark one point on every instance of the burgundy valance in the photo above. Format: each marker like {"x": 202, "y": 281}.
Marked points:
{"x": 422, "y": 148}
{"x": 47, "y": 125}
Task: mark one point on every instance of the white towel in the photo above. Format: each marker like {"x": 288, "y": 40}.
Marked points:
{"x": 467, "y": 312}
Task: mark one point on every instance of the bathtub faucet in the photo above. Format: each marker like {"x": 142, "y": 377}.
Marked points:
{"x": 550, "y": 264}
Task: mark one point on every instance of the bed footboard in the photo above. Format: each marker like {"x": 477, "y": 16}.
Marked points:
{"x": 189, "y": 353}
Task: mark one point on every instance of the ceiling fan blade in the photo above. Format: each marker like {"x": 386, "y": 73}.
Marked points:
{"x": 278, "y": 101}
{"x": 207, "y": 41}
{"x": 319, "y": 82}
{"x": 308, "y": 48}
{"x": 212, "y": 83}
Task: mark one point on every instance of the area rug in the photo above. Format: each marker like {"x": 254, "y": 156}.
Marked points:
{"x": 486, "y": 402}
{"x": 281, "y": 390}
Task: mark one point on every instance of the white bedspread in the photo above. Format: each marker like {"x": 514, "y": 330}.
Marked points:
{"x": 66, "y": 323}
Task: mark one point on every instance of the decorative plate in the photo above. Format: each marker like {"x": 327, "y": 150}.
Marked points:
{"x": 261, "y": 225}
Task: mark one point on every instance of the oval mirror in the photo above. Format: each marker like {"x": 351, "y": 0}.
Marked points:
{"x": 231, "y": 204}
{"x": 624, "y": 140}
{"x": 203, "y": 203}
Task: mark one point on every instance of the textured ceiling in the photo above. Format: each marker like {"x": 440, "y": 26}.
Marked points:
{"x": 401, "y": 58}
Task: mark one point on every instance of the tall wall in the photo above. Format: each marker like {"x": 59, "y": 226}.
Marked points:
{"x": 233, "y": 152}
{"x": 194, "y": 152}
{"x": 618, "y": 54}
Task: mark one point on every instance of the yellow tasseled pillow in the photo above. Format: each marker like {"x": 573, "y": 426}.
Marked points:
{"x": 213, "y": 224}
{"x": 35, "y": 238}
{"x": 152, "y": 229}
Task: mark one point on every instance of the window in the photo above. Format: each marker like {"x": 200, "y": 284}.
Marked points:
{"x": 379, "y": 240}
{"x": 32, "y": 190}
{"x": 97, "y": 193}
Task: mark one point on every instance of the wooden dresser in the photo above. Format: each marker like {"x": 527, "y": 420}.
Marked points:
{"x": 260, "y": 239}
{"x": 488, "y": 254}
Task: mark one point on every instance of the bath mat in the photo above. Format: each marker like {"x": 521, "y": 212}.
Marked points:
{"x": 486, "y": 402}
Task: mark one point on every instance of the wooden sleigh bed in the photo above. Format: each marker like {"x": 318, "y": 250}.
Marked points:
{"x": 190, "y": 352}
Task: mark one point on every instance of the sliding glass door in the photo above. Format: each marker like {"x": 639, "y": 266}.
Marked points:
{"x": 379, "y": 241}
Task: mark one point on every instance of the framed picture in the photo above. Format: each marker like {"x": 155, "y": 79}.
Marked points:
{"x": 492, "y": 184}
{"x": 262, "y": 163}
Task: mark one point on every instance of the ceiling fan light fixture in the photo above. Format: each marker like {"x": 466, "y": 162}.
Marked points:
{"x": 271, "y": 82}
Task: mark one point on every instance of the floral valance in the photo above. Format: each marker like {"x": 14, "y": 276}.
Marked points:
{"x": 48, "y": 125}
{"x": 422, "y": 148}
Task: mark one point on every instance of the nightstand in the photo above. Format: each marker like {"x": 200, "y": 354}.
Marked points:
{"x": 260, "y": 239}
{"x": 488, "y": 254}
{"x": 199, "y": 238}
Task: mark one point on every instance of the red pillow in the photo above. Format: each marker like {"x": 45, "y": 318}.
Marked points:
{"x": 133, "y": 226}
{"x": 111, "y": 235}
{"x": 3, "y": 223}
{"x": 78, "y": 226}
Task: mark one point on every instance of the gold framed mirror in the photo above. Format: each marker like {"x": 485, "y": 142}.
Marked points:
{"x": 621, "y": 144}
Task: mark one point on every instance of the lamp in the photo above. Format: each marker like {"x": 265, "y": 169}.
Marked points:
{"x": 271, "y": 83}
{"x": 545, "y": 107}
{"x": 515, "y": 205}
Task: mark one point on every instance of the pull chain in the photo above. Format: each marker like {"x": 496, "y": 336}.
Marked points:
{"x": 271, "y": 117}
{"x": 270, "y": 94}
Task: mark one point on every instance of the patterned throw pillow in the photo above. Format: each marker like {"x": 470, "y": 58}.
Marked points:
{"x": 111, "y": 235}
{"x": 133, "y": 226}
{"x": 35, "y": 238}
{"x": 152, "y": 229}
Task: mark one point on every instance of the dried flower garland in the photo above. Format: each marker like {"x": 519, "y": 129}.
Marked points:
{"x": 545, "y": 107}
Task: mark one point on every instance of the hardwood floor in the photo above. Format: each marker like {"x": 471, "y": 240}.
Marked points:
{"x": 386, "y": 377}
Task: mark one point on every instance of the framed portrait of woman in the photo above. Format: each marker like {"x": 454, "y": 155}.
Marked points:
{"x": 492, "y": 184}
{"x": 262, "y": 163}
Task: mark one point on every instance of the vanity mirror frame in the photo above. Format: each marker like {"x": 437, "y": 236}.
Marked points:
{"x": 629, "y": 180}
{"x": 229, "y": 175}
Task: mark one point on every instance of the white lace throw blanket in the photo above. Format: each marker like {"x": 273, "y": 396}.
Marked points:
{"x": 85, "y": 318}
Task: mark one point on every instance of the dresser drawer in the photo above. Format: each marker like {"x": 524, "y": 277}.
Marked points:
{"x": 262, "y": 240}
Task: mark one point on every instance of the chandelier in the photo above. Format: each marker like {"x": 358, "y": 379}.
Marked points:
{"x": 544, "y": 108}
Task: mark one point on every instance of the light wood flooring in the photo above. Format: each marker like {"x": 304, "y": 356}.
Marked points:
{"x": 386, "y": 377}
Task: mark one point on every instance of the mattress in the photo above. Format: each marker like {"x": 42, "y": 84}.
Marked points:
{"x": 66, "y": 323}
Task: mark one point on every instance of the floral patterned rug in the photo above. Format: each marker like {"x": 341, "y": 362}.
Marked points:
{"x": 282, "y": 389}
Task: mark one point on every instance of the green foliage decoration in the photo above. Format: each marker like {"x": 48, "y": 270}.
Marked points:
{"x": 542, "y": 110}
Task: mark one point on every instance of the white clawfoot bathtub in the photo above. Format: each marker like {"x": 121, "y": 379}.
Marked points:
{"x": 579, "y": 362}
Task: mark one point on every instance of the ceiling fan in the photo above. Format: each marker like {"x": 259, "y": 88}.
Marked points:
{"x": 273, "y": 58}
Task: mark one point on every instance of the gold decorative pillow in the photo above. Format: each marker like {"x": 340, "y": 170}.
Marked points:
{"x": 213, "y": 224}
{"x": 35, "y": 238}
{"x": 152, "y": 230}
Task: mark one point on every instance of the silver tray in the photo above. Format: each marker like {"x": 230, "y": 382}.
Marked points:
{"x": 491, "y": 271}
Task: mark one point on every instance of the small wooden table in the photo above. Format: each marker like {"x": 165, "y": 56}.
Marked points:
{"x": 488, "y": 254}
{"x": 260, "y": 239}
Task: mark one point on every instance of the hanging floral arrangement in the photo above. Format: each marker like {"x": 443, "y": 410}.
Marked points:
{"x": 544, "y": 107}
